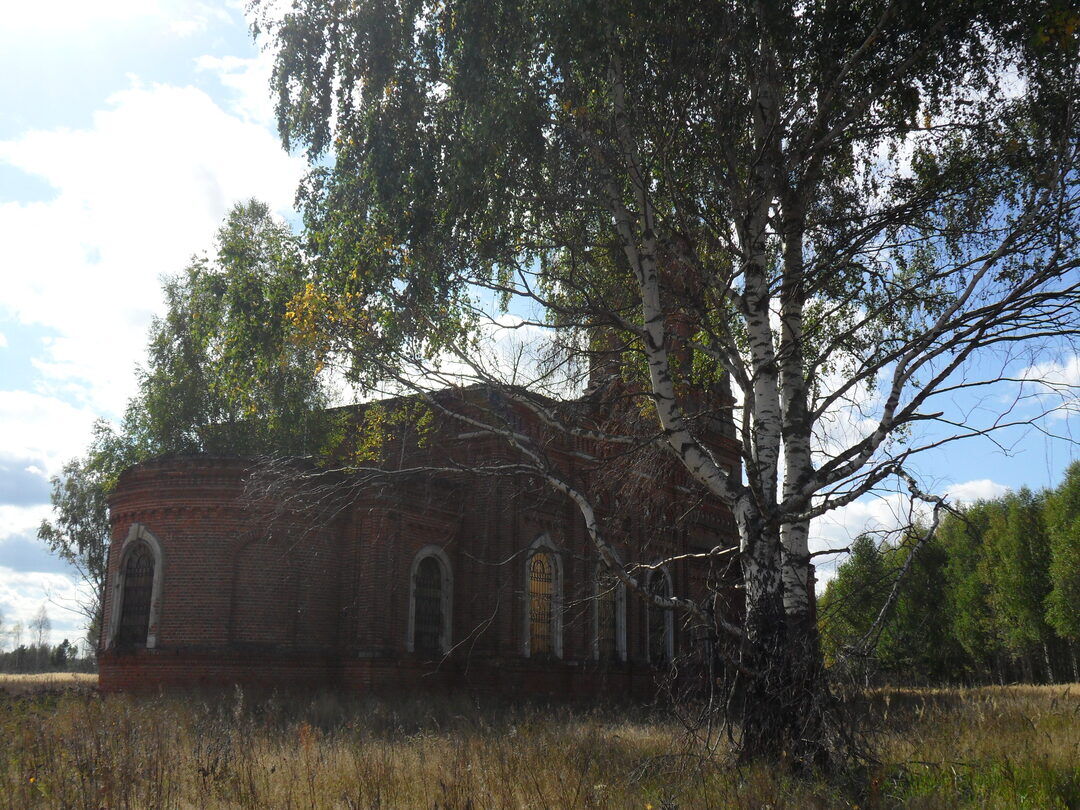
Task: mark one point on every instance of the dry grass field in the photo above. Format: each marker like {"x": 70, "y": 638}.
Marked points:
{"x": 64, "y": 746}
{"x": 45, "y": 681}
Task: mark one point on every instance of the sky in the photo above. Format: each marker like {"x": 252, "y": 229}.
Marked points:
{"x": 128, "y": 128}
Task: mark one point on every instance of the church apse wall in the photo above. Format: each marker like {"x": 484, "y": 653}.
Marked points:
{"x": 433, "y": 582}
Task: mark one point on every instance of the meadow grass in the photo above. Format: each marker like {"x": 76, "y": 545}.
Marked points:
{"x": 64, "y": 746}
{"x": 30, "y": 684}
{"x": 995, "y": 747}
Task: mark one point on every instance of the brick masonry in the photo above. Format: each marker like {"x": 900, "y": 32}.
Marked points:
{"x": 255, "y": 594}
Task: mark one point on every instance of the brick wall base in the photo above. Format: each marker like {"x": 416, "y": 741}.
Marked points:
{"x": 153, "y": 670}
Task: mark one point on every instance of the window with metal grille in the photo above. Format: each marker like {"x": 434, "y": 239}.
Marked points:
{"x": 607, "y": 620}
{"x": 660, "y": 621}
{"x": 135, "y": 604}
{"x": 428, "y": 607}
{"x": 541, "y": 603}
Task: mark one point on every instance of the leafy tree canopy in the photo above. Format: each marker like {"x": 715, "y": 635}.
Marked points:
{"x": 1063, "y": 525}
{"x": 838, "y": 205}
{"x": 988, "y": 597}
{"x": 223, "y": 375}
{"x": 471, "y": 143}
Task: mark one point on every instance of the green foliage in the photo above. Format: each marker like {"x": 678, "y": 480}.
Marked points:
{"x": 998, "y": 585}
{"x": 917, "y": 642}
{"x": 914, "y": 640}
{"x": 476, "y": 142}
{"x": 34, "y": 658}
{"x": 382, "y": 424}
{"x": 224, "y": 373}
{"x": 79, "y": 532}
{"x": 1015, "y": 566}
{"x": 1063, "y": 525}
{"x": 969, "y": 611}
{"x": 853, "y": 599}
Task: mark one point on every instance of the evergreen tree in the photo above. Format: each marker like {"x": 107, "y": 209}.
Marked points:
{"x": 917, "y": 643}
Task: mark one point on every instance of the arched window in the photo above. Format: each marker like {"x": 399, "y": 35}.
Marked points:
{"x": 541, "y": 603}
{"x": 431, "y": 590}
{"x": 543, "y": 627}
{"x": 609, "y": 616}
{"x": 661, "y": 623}
{"x": 136, "y": 592}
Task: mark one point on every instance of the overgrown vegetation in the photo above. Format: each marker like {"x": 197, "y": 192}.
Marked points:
{"x": 994, "y": 598}
{"x": 823, "y": 230}
{"x": 856, "y": 217}
{"x": 990, "y": 747}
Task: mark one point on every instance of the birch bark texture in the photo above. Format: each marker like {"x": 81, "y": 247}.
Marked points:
{"x": 825, "y": 224}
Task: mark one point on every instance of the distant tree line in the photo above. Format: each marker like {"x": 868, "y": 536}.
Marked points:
{"x": 995, "y": 597}
{"x": 62, "y": 657}
{"x": 31, "y": 651}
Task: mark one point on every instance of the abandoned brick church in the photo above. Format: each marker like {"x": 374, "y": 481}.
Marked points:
{"x": 425, "y": 580}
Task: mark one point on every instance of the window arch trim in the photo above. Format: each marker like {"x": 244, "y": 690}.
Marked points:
{"x": 544, "y": 544}
{"x": 137, "y": 535}
{"x": 446, "y": 595}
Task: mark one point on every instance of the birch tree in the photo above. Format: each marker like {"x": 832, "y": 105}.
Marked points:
{"x": 822, "y": 223}
{"x": 1016, "y": 565}
{"x": 41, "y": 626}
{"x": 79, "y": 531}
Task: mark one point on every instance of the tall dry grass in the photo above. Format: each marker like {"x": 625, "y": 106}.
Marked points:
{"x": 37, "y": 682}
{"x": 996, "y": 747}
{"x": 76, "y": 749}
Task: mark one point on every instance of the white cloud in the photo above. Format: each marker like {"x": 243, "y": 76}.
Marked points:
{"x": 22, "y": 594}
{"x": 248, "y": 79}
{"x": 137, "y": 194}
{"x": 190, "y": 27}
{"x": 22, "y": 520}
{"x": 1056, "y": 384}
{"x": 882, "y": 515}
{"x": 970, "y": 491}
{"x": 80, "y": 16}
{"x": 42, "y": 429}
{"x": 3, "y": 341}
{"x": 1055, "y": 374}
{"x": 77, "y": 14}
{"x": 870, "y": 514}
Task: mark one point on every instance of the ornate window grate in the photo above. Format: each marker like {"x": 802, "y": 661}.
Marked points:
{"x": 606, "y": 618}
{"x": 428, "y": 607}
{"x": 659, "y": 621}
{"x": 541, "y": 603}
{"x": 138, "y": 590}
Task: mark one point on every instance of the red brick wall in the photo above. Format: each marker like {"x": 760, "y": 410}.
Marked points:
{"x": 265, "y": 597}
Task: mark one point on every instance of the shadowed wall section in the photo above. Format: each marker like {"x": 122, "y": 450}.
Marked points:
{"x": 260, "y": 596}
